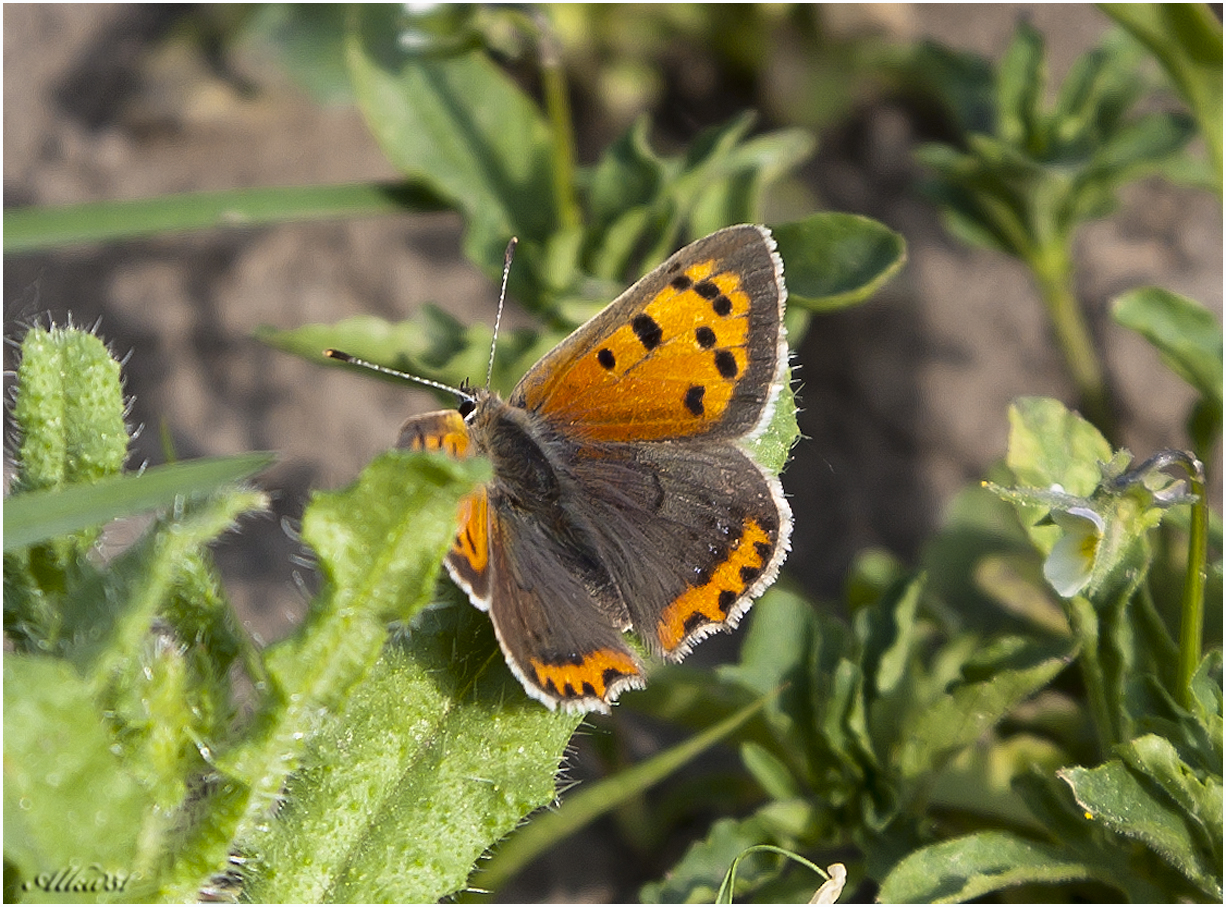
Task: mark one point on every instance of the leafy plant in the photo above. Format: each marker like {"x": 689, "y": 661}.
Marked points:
{"x": 1029, "y": 706}
{"x": 1028, "y": 175}
{"x": 438, "y": 742}
{"x": 124, "y": 749}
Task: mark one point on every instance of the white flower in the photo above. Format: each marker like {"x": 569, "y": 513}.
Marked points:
{"x": 1071, "y": 562}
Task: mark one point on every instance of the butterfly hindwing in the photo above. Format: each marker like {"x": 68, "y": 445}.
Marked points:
{"x": 561, "y": 647}
{"x": 690, "y": 534}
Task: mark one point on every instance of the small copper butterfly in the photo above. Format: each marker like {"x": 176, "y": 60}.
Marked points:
{"x": 622, "y": 495}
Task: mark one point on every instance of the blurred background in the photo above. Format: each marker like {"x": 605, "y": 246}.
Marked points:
{"x": 903, "y": 399}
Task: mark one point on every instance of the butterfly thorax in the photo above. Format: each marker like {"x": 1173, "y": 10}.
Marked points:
{"x": 518, "y": 446}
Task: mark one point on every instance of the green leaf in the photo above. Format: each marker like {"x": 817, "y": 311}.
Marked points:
{"x": 69, "y": 415}
{"x": 36, "y": 229}
{"x": 1199, "y": 798}
{"x": 628, "y": 175}
{"x": 960, "y": 81}
{"x": 380, "y": 543}
{"x": 749, "y": 168}
{"x": 462, "y": 127}
{"x": 596, "y": 799}
{"x": 105, "y": 622}
{"x": 769, "y": 771}
{"x": 998, "y": 678}
{"x": 1136, "y": 148}
{"x": 308, "y": 41}
{"x": 1187, "y": 40}
{"x": 1019, "y": 89}
{"x": 37, "y": 516}
{"x": 785, "y": 637}
{"x": 1184, "y": 332}
{"x": 1207, "y": 699}
{"x": 69, "y": 410}
{"x": 972, "y": 866}
{"x": 833, "y": 261}
{"x": 69, "y": 800}
{"x": 1115, "y": 797}
{"x": 434, "y": 757}
{"x": 1049, "y": 444}
{"x": 772, "y": 448}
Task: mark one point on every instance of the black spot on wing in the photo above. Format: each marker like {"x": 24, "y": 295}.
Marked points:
{"x": 693, "y": 399}
{"x": 646, "y": 329}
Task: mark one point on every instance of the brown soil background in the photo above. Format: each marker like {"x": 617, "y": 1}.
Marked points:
{"x": 904, "y": 398}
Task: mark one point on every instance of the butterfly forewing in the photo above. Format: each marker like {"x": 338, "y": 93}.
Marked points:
{"x": 693, "y": 349}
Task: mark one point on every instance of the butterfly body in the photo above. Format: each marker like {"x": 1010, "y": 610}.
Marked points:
{"x": 623, "y": 495}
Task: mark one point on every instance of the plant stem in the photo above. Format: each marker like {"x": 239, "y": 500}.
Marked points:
{"x": 1053, "y": 271}
{"x": 557, "y": 108}
{"x": 1192, "y": 611}
{"x": 1085, "y": 625}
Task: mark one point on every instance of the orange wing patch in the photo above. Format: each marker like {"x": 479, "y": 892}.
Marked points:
{"x": 468, "y": 562}
{"x": 669, "y": 371}
{"x": 442, "y": 430}
{"x": 711, "y": 602}
{"x": 593, "y": 675}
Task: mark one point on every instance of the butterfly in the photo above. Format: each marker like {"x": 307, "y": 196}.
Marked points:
{"x": 623, "y": 495}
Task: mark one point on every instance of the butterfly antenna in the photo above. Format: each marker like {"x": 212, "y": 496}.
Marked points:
{"x": 502, "y": 296}
{"x": 391, "y": 372}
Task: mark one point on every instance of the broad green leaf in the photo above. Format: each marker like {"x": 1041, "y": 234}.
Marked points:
{"x": 836, "y": 260}
{"x": 772, "y": 448}
{"x": 69, "y": 800}
{"x": 380, "y": 543}
{"x": 596, "y": 799}
{"x": 960, "y": 81}
{"x": 34, "y": 229}
{"x": 784, "y": 633}
{"x": 969, "y": 867}
{"x": 461, "y": 126}
{"x": 983, "y": 564}
{"x": 1115, "y": 797}
{"x": 1138, "y": 147}
{"x": 308, "y": 41}
{"x": 433, "y": 344}
{"x": 69, "y": 410}
{"x": 982, "y": 780}
{"x": 1183, "y": 331}
{"x": 36, "y": 516}
{"x": 998, "y": 678}
{"x": 1049, "y": 445}
{"x": 889, "y": 633}
{"x": 769, "y": 771}
{"x": 872, "y": 573}
{"x": 1207, "y": 699}
{"x": 750, "y": 168}
{"x": 433, "y": 758}
{"x": 1199, "y": 798}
